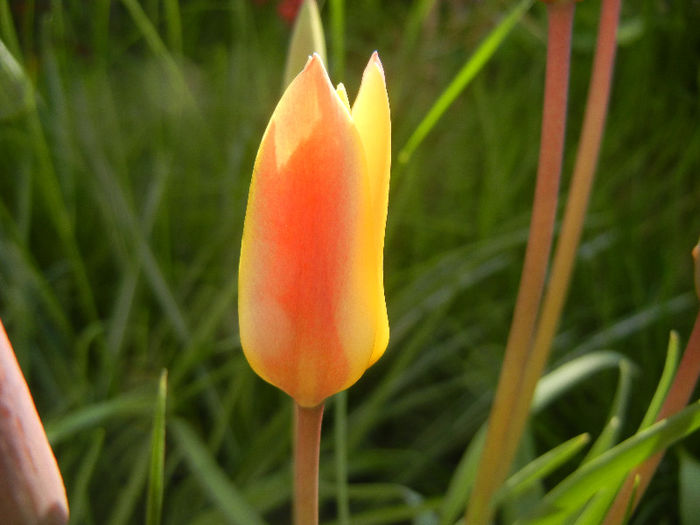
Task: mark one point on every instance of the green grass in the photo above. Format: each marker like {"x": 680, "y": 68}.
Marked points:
{"x": 122, "y": 194}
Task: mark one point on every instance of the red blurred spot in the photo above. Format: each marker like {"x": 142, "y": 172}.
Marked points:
{"x": 288, "y": 9}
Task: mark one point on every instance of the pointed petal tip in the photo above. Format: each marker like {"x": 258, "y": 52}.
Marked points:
{"x": 374, "y": 59}
{"x": 314, "y": 60}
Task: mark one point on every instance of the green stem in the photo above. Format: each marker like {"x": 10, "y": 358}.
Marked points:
{"x": 307, "y": 441}
{"x": 501, "y": 439}
{"x": 337, "y": 11}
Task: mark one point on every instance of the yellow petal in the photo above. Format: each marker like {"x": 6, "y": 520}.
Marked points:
{"x": 343, "y": 94}
{"x": 307, "y": 275}
{"x": 373, "y": 122}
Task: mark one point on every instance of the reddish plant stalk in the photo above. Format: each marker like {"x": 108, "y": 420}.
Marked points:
{"x": 307, "y": 441}
{"x": 677, "y": 398}
{"x": 495, "y": 462}
{"x": 577, "y": 203}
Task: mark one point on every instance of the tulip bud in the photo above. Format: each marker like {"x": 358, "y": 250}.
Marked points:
{"x": 311, "y": 295}
{"x": 31, "y": 487}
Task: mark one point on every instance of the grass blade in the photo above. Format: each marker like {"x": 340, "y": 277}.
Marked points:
{"x": 212, "y": 479}
{"x": 96, "y": 414}
{"x": 154, "y": 501}
{"x": 469, "y": 70}
{"x": 173, "y": 25}
{"x": 337, "y": 9}
{"x": 673, "y": 353}
{"x": 550, "y": 387}
{"x": 341, "y": 457}
{"x": 595, "y": 511}
{"x": 462, "y": 480}
{"x": 579, "y": 487}
{"x": 565, "y": 376}
{"x": 611, "y": 431}
{"x": 129, "y": 495}
{"x": 15, "y": 88}
{"x": 541, "y": 467}
{"x": 79, "y": 498}
{"x": 689, "y": 482}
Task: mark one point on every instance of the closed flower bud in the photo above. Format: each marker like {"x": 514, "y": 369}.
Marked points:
{"x": 311, "y": 295}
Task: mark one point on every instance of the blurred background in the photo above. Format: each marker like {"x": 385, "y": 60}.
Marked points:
{"x": 128, "y": 131}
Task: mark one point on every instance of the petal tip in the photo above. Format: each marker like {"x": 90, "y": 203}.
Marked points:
{"x": 315, "y": 66}
{"x": 314, "y": 62}
{"x": 374, "y": 59}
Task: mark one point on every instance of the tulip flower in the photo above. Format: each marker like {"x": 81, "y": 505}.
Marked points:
{"x": 311, "y": 294}
{"x": 31, "y": 487}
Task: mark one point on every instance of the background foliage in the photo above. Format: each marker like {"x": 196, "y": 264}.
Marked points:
{"x": 123, "y": 182}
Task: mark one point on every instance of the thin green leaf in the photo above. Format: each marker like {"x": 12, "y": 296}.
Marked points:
{"x": 542, "y": 466}
{"x": 15, "y": 88}
{"x": 394, "y": 514}
{"x": 79, "y": 496}
{"x": 551, "y": 386}
{"x": 341, "y": 457}
{"x": 337, "y": 9}
{"x": 147, "y": 29}
{"x": 7, "y": 28}
{"x": 160, "y": 50}
{"x": 610, "y": 433}
{"x": 522, "y": 501}
{"x": 624, "y": 327}
{"x": 123, "y": 214}
{"x": 630, "y": 504}
{"x": 213, "y": 480}
{"x": 673, "y": 353}
{"x": 126, "y": 499}
{"x": 469, "y": 70}
{"x": 154, "y": 501}
{"x": 688, "y": 488}
{"x": 462, "y": 480}
{"x": 416, "y": 19}
{"x": 97, "y": 414}
{"x": 173, "y": 24}
{"x": 596, "y": 510}
{"x": 572, "y": 493}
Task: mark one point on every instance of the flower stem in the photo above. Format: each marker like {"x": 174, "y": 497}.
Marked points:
{"x": 497, "y": 456}
{"x": 576, "y": 205}
{"x": 307, "y": 441}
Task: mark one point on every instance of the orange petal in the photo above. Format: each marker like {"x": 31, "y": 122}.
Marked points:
{"x": 307, "y": 285}
{"x": 373, "y": 122}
